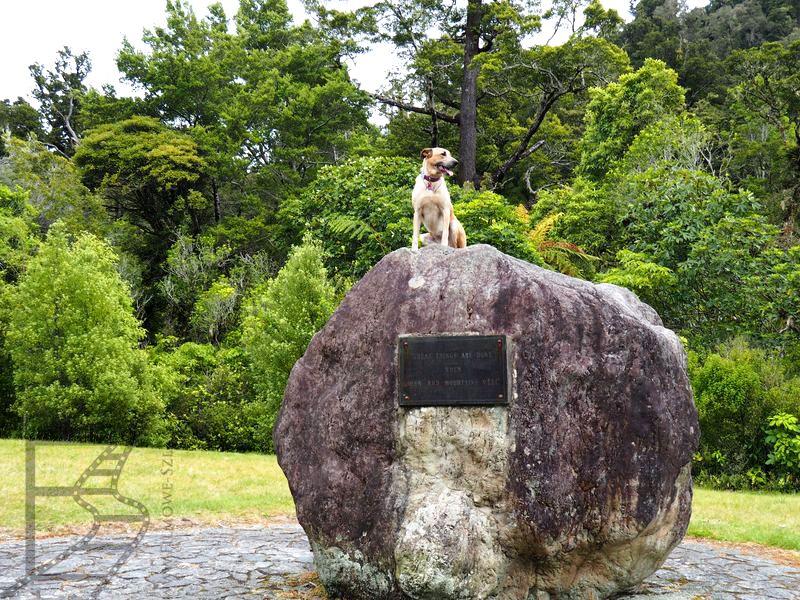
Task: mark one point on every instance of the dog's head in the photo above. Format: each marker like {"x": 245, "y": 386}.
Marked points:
{"x": 437, "y": 161}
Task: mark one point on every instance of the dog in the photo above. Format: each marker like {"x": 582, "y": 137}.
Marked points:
{"x": 431, "y": 202}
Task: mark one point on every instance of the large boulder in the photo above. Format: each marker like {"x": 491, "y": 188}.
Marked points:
{"x": 578, "y": 488}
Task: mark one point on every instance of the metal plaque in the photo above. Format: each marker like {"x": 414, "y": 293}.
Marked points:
{"x": 453, "y": 370}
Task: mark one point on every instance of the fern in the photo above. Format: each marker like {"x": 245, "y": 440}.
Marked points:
{"x": 543, "y": 228}
{"x": 558, "y": 255}
{"x": 351, "y": 227}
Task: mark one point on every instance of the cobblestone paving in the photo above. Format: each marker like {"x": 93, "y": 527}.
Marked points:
{"x": 263, "y": 562}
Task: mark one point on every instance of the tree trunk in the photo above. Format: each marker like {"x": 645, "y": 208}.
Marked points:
{"x": 467, "y": 148}
{"x": 434, "y": 120}
{"x": 215, "y": 191}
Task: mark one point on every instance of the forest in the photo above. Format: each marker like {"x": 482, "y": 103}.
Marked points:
{"x": 166, "y": 257}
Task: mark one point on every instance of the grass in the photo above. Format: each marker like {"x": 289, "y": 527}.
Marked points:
{"x": 771, "y": 519}
{"x": 200, "y": 486}
{"x": 209, "y": 486}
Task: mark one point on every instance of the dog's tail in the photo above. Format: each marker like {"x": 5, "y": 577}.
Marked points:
{"x": 457, "y": 237}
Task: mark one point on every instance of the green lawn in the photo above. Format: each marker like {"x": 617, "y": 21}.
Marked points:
{"x": 209, "y": 486}
{"x": 764, "y": 518}
{"x": 201, "y": 486}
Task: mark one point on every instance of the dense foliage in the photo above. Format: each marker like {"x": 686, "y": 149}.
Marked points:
{"x": 73, "y": 342}
{"x": 165, "y": 258}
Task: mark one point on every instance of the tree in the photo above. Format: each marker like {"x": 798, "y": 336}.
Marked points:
{"x": 19, "y": 120}
{"x": 191, "y": 267}
{"x": 59, "y": 95}
{"x": 770, "y": 88}
{"x": 54, "y": 187}
{"x": 18, "y": 242}
{"x": 651, "y": 282}
{"x": 479, "y": 71}
{"x": 737, "y": 388}
{"x": 78, "y": 371}
{"x": 488, "y": 218}
{"x": 209, "y": 398}
{"x": 148, "y": 173}
{"x": 214, "y": 309}
{"x": 359, "y": 223}
{"x": 18, "y": 233}
{"x": 697, "y": 42}
{"x": 281, "y": 316}
{"x": 589, "y": 218}
{"x": 776, "y": 303}
{"x": 618, "y": 112}
{"x": 267, "y": 106}
{"x": 694, "y": 247}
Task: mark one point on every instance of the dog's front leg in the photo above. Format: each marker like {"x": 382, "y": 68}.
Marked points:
{"x": 446, "y": 226}
{"x": 415, "y": 239}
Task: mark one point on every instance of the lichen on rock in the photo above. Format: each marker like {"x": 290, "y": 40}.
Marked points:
{"x": 578, "y": 488}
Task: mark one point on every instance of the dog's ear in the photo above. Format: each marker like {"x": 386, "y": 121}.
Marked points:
{"x": 426, "y": 152}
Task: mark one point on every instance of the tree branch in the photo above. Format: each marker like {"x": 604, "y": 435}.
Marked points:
{"x": 447, "y": 102}
{"x": 532, "y": 149}
{"x": 416, "y": 109}
{"x": 523, "y": 150}
{"x": 75, "y": 139}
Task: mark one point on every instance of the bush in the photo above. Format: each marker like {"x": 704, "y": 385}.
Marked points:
{"x": 209, "y": 397}
{"x": 590, "y": 216}
{"x": 73, "y": 340}
{"x": 489, "y": 219}
{"x": 361, "y": 210}
{"x": 783, "y": 439}
{"x": 281, "y": 316}
{"x": 18, "y": 241}
{"x": 737, "y": 390}
{"x": 651, "y": 282}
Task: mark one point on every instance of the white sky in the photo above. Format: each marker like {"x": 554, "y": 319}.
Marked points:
{"x": 34, "y": 30}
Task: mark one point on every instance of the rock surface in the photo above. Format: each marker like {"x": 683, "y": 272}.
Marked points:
{"x": 579, "y": 488}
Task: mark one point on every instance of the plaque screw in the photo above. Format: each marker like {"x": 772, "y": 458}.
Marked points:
{"x": 499, "y": 395}
{"x": 406, "y": 397}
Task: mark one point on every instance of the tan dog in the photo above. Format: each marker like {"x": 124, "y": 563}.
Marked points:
{"x": 431, "y": 202}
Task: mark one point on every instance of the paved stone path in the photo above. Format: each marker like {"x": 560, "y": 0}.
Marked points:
{"x": 269, "y": 562}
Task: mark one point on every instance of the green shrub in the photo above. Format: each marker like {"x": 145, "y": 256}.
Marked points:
{"x": 281, "y": 316}
{"x": 208, "y": 396}
{"x": 653, "y": 283}
{"x": 737, "y": 390}
{"x": 18, "y": 241}
{"x": 783, "y": 439}
{"x": 73, "y": 340}
{"x": 590, "y": 216}
{"x": 489, "y": 219}
{"x": 361, "y": 211}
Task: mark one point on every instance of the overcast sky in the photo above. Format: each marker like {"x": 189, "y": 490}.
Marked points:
{"x": 34, "y": 30}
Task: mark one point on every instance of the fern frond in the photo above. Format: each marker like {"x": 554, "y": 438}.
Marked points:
{"x": 561, "y": 263}
{"x": 351, "y": 227}
{"x": 522, "y": 213}
{"x": 543, "y": 228}
{"x": 568, "y": 248}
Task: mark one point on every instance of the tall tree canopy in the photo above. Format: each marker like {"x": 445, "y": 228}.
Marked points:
{"x": 59, "y": 92}
{"x": 73, "y": 339}
{"x": 480, "y": 75}
{"x": 271, "y": 99}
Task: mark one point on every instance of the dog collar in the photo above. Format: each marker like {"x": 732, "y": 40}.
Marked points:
{"x": 430, "y": 180}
